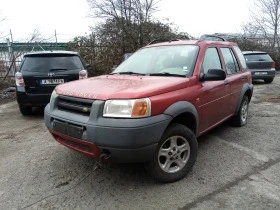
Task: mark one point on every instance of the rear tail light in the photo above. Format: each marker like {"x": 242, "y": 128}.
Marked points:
{"x": 273, "y": 64}
{"x": 19, "y": 79}
{"x": 83, "y": 74}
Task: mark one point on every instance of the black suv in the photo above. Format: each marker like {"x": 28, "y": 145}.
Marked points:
{"x": 261, "y": 65}
{"x": 40, "y": 72}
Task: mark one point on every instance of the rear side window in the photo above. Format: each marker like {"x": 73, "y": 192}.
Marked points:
{"x": 230, "y": 61}
{"x": 258, "y": 57}
{"x": 241, "y": 57}
{"x": 211, "y": 60}
{"x": 47, "y": 63}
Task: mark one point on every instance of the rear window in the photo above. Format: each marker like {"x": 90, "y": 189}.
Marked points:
{"x": 257, "y": 57}
{"x": 47, "y": 63}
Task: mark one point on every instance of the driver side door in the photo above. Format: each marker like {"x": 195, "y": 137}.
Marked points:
{"x": 214, "y": 100}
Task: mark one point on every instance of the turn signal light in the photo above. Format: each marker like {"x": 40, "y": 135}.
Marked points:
{"x": 140, "y": 108}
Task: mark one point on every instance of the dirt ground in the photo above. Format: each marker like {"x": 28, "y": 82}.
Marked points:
{"x": 10, "y": 96}
{"x": 237, "y": 168}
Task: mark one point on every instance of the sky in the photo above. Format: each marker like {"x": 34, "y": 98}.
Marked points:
{"x": 70, "y": 18}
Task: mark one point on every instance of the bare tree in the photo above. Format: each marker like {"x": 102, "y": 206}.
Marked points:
{"x": 130, "y": 10}
{"x": 34, "y": 39}
{"x": 265, "y": 22}
{"x": 1, "y": 20}
{"x": 130, "y": 15}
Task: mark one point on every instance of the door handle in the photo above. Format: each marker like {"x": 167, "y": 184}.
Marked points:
{"x": 226, "y": 82}
{"x": 242, "y": 77}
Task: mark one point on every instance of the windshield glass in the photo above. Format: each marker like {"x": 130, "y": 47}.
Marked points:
{"x": 173, "y": 60}
{"x": 51, "y": 63}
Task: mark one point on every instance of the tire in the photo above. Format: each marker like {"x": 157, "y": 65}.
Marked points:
{"x": 268, "y": 81}
{"x": 25, "y": 110}
{"x": 178, "y": 163}
{"x": 240, "y": 119}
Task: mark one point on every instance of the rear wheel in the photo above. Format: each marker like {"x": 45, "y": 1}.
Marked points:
{"x": 240, "y": 119}
{"x": 25, "y": 110}
{"x": 175, "y": 155}
{"x": 268, "y": 80}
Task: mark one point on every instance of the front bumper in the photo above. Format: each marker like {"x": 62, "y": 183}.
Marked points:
{"x": 263, "y": 73}
{"x": 125, "y": 140}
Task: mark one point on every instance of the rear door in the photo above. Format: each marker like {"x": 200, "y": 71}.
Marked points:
{"x": 235, "y": 78}
{"x": 42, "y": 72}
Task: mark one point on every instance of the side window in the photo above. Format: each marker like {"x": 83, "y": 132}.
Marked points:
{"x": 241, "y": 57}
{"x": 211, "y": 60}
{"x": 230, "y": 61}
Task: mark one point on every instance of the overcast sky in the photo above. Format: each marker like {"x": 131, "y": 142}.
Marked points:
{"x": 70, "y": 17}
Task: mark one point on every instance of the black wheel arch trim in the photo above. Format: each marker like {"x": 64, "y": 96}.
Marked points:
{"x": 181, "y": 107}
{"x": 244, "y": 89}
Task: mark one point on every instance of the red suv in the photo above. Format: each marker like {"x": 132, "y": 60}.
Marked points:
{"x": 154, "y": 105}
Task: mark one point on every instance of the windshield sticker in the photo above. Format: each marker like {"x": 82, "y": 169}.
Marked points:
{"x": 185, "y": 68}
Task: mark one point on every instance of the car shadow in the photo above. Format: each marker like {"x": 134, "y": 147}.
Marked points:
{"x": 37, "y": 113}
{"x": 124, "y": 174}
{"x": 259, "y": 82}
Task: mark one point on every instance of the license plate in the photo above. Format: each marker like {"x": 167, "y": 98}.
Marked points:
{"x": 68, "y": 129}
{"x": 260, "y": 73}
{"x": 51, "y": 81}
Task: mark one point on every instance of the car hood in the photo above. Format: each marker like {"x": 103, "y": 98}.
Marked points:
{"x": 121, "y": 86}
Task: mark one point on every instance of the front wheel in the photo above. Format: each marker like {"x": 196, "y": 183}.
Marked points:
{"x": 175, "y": 155}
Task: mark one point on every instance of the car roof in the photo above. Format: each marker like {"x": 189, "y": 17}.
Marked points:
{"x": 253, "y": 52}
{"x": 191, "y": 42}
{"x": 55, "y": 52}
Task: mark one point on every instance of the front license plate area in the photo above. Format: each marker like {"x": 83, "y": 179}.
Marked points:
{"x": 51, "y": 81}
{"x": 68, "y": 129}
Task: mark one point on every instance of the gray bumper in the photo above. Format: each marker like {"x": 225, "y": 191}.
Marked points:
{"x": 127, "y": 140}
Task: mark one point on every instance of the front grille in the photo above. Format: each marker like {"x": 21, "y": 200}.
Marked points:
{"x": 74, "y": 105}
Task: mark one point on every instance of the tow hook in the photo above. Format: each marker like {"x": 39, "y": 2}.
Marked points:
{"x": 105, "y": 158}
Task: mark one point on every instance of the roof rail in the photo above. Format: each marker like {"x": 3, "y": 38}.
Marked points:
{"x": 208, "y": 37}
{"x": 155, "y": 41}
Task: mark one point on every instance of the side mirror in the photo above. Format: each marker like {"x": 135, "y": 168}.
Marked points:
{"x": 88, "y": 65}
{"x": 213, "y": 75}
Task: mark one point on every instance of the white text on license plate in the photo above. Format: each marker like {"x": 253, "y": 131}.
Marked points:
{"x": 260, "y": 73}
{"x": 51, "y": 81}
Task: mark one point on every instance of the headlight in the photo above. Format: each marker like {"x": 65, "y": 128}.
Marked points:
{"x": 53, "y": 96}
{"x": 135, "y": 108}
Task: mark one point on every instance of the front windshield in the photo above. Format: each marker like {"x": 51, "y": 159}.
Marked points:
{"x": 173, "y": 60}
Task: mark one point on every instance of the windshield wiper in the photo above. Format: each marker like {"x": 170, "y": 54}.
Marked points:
{"x": 166, "y": 74}
{"x": 128, "y": 72}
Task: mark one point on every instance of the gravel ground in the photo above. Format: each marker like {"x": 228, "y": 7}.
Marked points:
{"x": 237, "y": 168}
{"x": 6, "y": 97}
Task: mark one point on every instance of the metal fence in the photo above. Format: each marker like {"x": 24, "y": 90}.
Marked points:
{"x": 11, "y": 54}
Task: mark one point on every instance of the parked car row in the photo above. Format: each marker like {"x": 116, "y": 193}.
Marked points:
{"x": 152, "y": 107}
